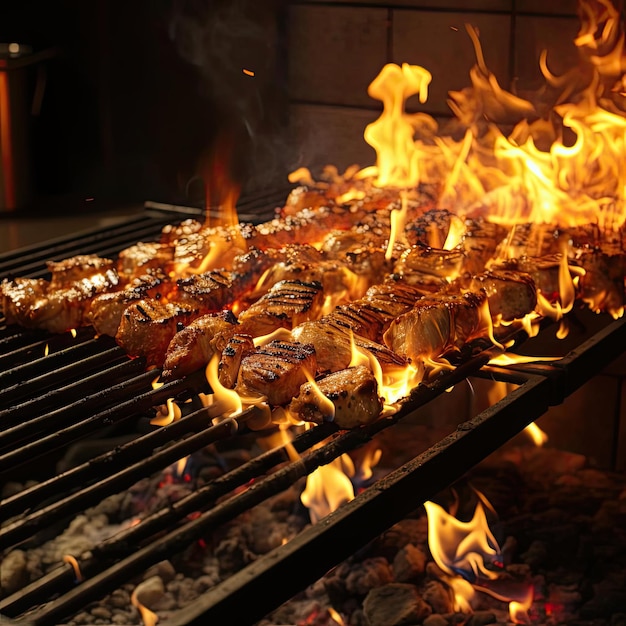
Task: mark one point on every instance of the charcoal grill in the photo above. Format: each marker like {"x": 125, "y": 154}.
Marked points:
{"x": 86, "y": 387}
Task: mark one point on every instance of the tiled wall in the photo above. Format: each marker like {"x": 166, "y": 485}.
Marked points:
{"x": 336, "y": 48}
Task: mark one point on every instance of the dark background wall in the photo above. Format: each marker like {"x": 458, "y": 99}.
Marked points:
{"x": 141, "y": 93}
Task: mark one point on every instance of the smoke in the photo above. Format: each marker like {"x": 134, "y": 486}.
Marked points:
{"x": 235, "y": 45}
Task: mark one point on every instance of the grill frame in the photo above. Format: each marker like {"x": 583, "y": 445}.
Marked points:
{"x": 343, "y": 532}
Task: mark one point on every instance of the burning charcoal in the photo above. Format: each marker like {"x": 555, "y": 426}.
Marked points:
{"x": 394, "y": 605}
{"x": 372, "y": 572}
{"x": 438, "y": 596}
{"x": 408, "y": 564}
{"x": 277, "y": 370}
{"x": 481, "y": 618}
{"x": 435, "y": 620}
{"x": 353, "y": 392}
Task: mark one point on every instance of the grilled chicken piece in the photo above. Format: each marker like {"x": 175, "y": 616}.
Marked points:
{"x": 511, "y": 295}
{"x": 62, "y": 303}
{"x": 304, "y": 197}
{"x": 479, "y": 243}
{"x": 83, "y": 267}
{"x": 333, "y": 346}
{"x": 136, "y": 261}
{"x": 603, "y": 285}
{"x": 251, "y": 265}
{"x": 19, "y": 299}
{"x": 436, "y": 324}
{"x": 105, "y": 311}
{"x": 429, "y": 229}
{"x": 419, "y": 262}
{"x": 277, "y": 370}
{"x": 543, "y": 270}
{"x": 148, "y": 326}
{"x": 287, "y": 304}
{"x": 193, "y": 347}
{"x": 207, "y": 249}
{"x": 172, "y": 232}
{"x": 209, "y": 292}
{"x": 238, "y": 347}
{"x": 353, "y": 392}
{"x": 531, "y": 239}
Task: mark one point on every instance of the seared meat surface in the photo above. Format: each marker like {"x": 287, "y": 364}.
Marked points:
{"x": 238, "y": 347}
{"x": 511, "y": 295}
{"x": 287, "y": 304}
{"x": 192, "y": 348}
{"x": 277, "y": 370}
{"x": 353, "y": 393}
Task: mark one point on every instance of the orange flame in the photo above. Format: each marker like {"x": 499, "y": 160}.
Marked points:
{"x": 148, "y": 617}
{"x": 167, "y": 413}
{"x": 68, "y": 558}
{"x": 536, "y": 434}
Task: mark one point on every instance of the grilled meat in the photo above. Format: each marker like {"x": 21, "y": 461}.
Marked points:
{"x": 210, "y": 291}
{"x": 137, "y": 260}
{"x": 148, "y": 326}
{"x": 83, "y": 267}
{"x": 287, "y": 304}
{"x": 423, "y": 264}
{"x": 603, "y": 285}
{"x": 479, "y": 243}
{"x": 238, "y": 347}
{"x": 429, "y": 229}
{"x": 353, "y": 392}
{"x": 436, "y": 324}
{"x": 531, "y": 239}
{"x": 193, "y": 347}
{"x": 277, "y": 370}
{"x": 543, "y": 270}
{"x": 511, "y": 295}
{"x": 207, "y": 249}
{"x": 105, "y": 311}
{"x": 172, "y": 232}
{"x": 62, "y": 303}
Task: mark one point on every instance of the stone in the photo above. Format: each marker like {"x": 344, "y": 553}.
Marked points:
{"x": 164, "y": 570}
{"x": 149, "y": 592}
{"x": 101, "y": 612}
{"x": 481, "y": 618}
{"x": 396, "y": 604}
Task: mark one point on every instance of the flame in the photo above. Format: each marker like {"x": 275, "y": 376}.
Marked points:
{"x": 328, "y": 487}
{"x": 335, "y": 616}
{"x": 561, "y": 163}
{"x": 280, "y": 334}
{"x": 324, "y": 404}
{"x": 148, "y": 617}
{"x": 46, "y": 350}
{"x": 248, "y": 72}
{"x": 398, "y": 219}
{"x": 536, "y": 434}
{"x": 224, "y": 402}
{"x": 72, "y": 332}
{"x": 461, "y": 547}
{"x": 167, "y": 413}
{"x": 68, "y": 558}
{"x": 518, "y": 611}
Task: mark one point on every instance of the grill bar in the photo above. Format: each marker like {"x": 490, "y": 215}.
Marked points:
{"x": 63, "y": 417}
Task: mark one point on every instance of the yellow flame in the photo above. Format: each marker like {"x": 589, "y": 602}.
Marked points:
{"x": 225, "y": 402}
{"x": 46, "y": 350}
{"x": 335, "y": 616}
{"x": 73, "y": 332}
{"x": 280, "y": 334}
{"x": 324, "y": 404}
{"x": 167, "y": 413}
{"x": 518, "y": 611}
{"x": 328, "y": 487}
{"x": 148, "y": 617}
{"x": 536, "y": 434}
{"x": 457, "y": 545}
